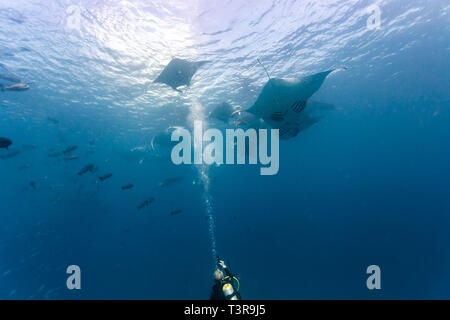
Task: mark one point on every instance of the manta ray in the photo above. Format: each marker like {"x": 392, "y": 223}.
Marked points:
{"x": 222, "y": 112}
{"x": 179, "y": 73}
{"x": 282, "y": 101}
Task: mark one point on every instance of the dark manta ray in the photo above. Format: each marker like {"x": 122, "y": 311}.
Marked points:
{"x": 178, "y": 73}
{"x": 281, "y": 102}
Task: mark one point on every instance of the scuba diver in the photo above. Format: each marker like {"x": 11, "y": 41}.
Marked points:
{"x": 226, "y": 285}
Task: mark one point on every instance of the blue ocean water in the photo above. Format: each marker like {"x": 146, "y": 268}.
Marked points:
{"x": 368, "y": 184}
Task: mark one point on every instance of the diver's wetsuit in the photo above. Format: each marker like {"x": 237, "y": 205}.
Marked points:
{"x": 217, "y": 293}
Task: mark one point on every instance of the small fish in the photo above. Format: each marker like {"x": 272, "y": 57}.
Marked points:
{"x": 127, "y": 187}
{"x": 70, "y": 149}
{"x": 175, "y": 212}
{"x": 170, "y": 181}
{"x": 71, "y": 157}
{"x": 53, "y": 120}
{"x": 10, "y": 154}
{"x": 6, "y": 273}
{"x": 87, "y": 168}
{"x": 5, "y": 143}
{"x": 16, "y": 87}
{"x": 33, "y": 185}
{"x": 105, "y": 177}
{"x": 25, "y": 166}
{"x": 146, "y": 203}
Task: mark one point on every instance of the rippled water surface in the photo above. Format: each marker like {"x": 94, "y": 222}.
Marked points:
{"x": 367, "y": 184}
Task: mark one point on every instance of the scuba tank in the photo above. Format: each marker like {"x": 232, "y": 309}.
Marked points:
{"x": 228, "y": 292}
